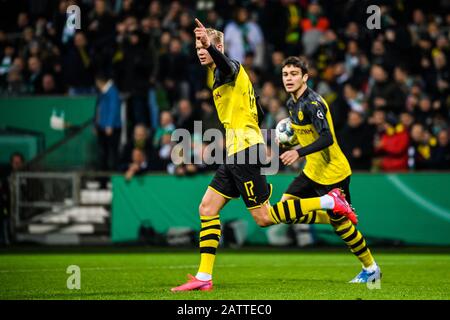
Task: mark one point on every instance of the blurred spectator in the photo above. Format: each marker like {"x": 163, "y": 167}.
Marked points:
{"x": 354, "y": 98}
{"x": 6, "y": 61}
{"x": 16, "y": 163}
{"x": 313, "y": 26}
{"x": 192, "y": 167}
{"x": 78, "y": 68}
{"x": 209, "y": 117}
{"x": 101, "y": 26}
{"x": 4, "y": 212}
{"x": 424, "y": 113}
{"x": 242, "y": 36}
{"x": 275, "y": 114}
{"x": 440, "y": 155}
{"x": 167, "y": 127}
{"x": 165, "y": 152}
{"x": 273, "y": 73}
{"x": 185, "y": 115}
{"x": 407, "y": 120}
{"x": 133, "y": 76}
{"x": 352, "y": 57}
{"x": 142, "y": 141}
{"x": 173, "y": 72}
{"x": 162, "y": 140}
{"x": 15, "y": 84}
{"x": 148, "y": 48}
{"x": 49, "y": 85}
{"x": 138, "y": 164}
{"x": 391, "y": 143}
{"x": 384, "y": 93}
{"x": 403, "y": 79}
{"x": 379, "y": 56}
{"x": 108, "y": 122}
{"x": 356, "y": 140}
{"x": 34, "y": 75}
{"x": 420, "y": 150}
{"x": 172, "y": 16}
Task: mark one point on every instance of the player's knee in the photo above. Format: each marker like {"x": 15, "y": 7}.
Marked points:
{"x": 205, "y": 210}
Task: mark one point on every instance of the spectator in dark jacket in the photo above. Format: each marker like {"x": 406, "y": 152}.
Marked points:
{"x": 135, "y": 75}
{"x": 77, "y": 67}
{"x": 424, "y": 113}
{"x": 185, "y": 115}
{"x": 440, "y": 155}
{"x": 385, "y": 94}
{"x": 34, "y": 75}
{"x": 356, "y": 140}
{"x": 173, "y": 72}
{"x": 420, "y": 147}
{"x": 141, "y": 141}
{"x": 49, "y": 85}
{"x": 101, "y": 31}
{"x": 138, "y": 164}
{"x": 16, "y": 163}
{"x": 108, "y": 122}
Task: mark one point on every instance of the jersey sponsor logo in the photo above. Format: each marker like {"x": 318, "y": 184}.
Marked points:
{"x": 217, "y": 95}
{"x": 320, "y": 114}
{"x": 305, "y": 131}
{"x": 300, "y": 115}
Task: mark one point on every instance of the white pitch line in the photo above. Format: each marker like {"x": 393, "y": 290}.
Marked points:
{"x": 429, "y": 206}
{"x": 341, "y": 264}
{"x": 112, "y": 268}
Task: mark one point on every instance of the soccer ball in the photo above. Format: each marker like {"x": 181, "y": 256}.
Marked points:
{"x": 285, "y": 133}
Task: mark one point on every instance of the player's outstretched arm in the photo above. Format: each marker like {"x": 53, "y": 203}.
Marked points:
{"x": 222, "y": 62}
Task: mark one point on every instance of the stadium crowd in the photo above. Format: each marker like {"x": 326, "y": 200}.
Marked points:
{"x": 388, "y": 88}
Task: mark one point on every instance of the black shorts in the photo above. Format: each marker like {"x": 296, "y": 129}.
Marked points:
{"x": 304, "y": 187}
{"x": 246, "y": 180}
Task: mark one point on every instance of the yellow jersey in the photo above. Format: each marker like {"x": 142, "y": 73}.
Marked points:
{"x": 310, "y": 115}
{"x": 235, "y": 101}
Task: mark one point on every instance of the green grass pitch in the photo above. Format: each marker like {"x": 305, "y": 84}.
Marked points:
{"x": 239, "y": 274}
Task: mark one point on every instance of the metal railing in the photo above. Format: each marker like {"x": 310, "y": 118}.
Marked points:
{"x": 46, "y": 204}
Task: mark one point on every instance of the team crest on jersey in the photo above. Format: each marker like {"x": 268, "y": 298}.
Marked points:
{"x": 300, "y": 115}
{"x": 319, "y": 114}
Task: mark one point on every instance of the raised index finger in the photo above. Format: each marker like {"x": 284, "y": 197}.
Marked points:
{"x": 199, "y": 24}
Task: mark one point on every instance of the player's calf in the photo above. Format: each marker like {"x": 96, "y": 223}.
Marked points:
{"x": 298, "y": 210}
